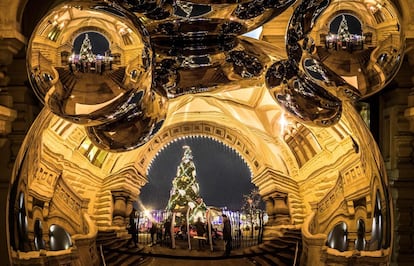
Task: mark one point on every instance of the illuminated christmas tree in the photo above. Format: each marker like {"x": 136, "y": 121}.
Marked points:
{"x": 185, "y": 192}
{"x": 86, "y": 53}
{"x": 343, "y": 31}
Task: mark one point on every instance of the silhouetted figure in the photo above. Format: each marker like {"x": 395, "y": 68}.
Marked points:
{"x": 153, "y": 232}
{"x": 200, "y": 228}
{"x": 132, "y": 230}
{"x": 227, "y": 234}
{"x": 183, "y": 231}
{"x": 167, "y": 231}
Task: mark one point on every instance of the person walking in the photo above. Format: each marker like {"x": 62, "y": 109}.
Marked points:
{"x": 227, "y": 235}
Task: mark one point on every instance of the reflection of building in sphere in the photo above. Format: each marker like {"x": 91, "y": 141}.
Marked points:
{"x": 345, "y": 32}
{"x": 91, "y": 47}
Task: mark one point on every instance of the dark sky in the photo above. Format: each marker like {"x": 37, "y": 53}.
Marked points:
{"x": 354, "y": 26}
{"x": 222, "y": 176}
{"x": 98, "y": 41}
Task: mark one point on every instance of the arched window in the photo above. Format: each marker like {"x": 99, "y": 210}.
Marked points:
{"x": 377, "y": 224}
{"x": 22, "y": 219}
{"x": 338, "y": 237}
{"x": 360, "y": 241}
{"x": 59, "y": 238}
{"x": 38, "y": 235}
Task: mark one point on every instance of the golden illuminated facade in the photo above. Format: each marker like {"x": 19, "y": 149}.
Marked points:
{"x": 346, "y": 187}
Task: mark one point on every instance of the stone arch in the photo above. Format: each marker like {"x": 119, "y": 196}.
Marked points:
{"x": 99, "y": 30}
{"x": 245, "y": 146}
{"x": 349, "y": 12}
{"x": 285, "y": 206}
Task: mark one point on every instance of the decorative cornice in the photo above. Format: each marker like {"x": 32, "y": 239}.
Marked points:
{"x": 10, "y": 45}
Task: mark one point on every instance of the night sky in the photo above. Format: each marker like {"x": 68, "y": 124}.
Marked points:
{"x": 98, "y": 41}
{"x": 354, "y": 26}
{"x": 222, "y": 176}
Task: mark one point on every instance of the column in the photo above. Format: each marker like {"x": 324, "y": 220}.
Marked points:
{"x": 8, "y": 47}
{"x": 397, "y": 146}
{"x": 119, "y": 213}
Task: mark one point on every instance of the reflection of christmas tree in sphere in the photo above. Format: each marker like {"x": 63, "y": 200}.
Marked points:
{"x": 86, "y": 53}
{"x": 185, "y": 189}
{"x": 343, "y": 31}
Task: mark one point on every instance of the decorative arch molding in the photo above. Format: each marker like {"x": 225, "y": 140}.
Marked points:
{"x": 349, "y": 12}
{"x": 96, "y": 29}
{"x": 245, "y": 146}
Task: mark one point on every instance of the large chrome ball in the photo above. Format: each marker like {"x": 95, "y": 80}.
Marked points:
{"x": 85, "y": 72}
{"x": 144, "y": 116}
{"x": 201, "y": 20}
{"x": 361, "y": 41}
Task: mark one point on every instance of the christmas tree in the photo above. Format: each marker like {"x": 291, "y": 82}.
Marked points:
{"x": 343, "y": 31}
{"x": 86, "y": 53}
{"x": 185, "y": 192}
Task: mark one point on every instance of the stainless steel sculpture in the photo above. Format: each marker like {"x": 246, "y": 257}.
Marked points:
{"x": 361, "y": 41}
{"x": 164, "y": 50}
{"x": 200, "y": 39}
{"x": 98, "y": 91}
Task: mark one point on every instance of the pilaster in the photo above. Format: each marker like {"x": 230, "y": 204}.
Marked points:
{"x": 397, "y": 145}
{"x": 8, "y": 48}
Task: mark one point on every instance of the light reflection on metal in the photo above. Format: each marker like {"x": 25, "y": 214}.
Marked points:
{"x": 194, "y": 48}
{"x": 89, "y": 89}
{"x": 134, "y": 127}
{"x": 237, "y": 64}
{"x": 302, "y": 84}
{"x": 203, "y": 20}
{"x": 354, "y": 39}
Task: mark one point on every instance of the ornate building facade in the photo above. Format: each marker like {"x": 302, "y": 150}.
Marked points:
{"x": 348, "y": 181}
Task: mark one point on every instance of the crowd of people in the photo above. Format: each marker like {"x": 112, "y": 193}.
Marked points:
{"x": 163, "y": 233}
{"x": 97, "y": 67}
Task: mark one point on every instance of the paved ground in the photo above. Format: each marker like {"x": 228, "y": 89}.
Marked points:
{"x": 162, "y": 255}
{"x": 204, "y": 257}
{"x": 222, "y": 262}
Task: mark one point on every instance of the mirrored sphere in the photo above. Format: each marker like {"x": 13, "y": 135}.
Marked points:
{"x": 83, "y": 71}
{"x": 361, "y": 41}
{"x": 141, "y": 120}
{"x": 240, "y": 63}
{"x": 203, "y": 19}
{"x": 301, "y": 95}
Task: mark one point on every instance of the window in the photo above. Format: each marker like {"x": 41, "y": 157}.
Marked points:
{"x": 38, "y": 235}
{"x": 61, "y": 126}
{"x": 338, "y": 237}
{"x": 301, "y": 142}
{"x": 94, "y": 154}
{"x": 377, "y": 224}
{"x": 360, "y": 241}
{"x": 59, "y": 238}
{"x": 22, "y": 219}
